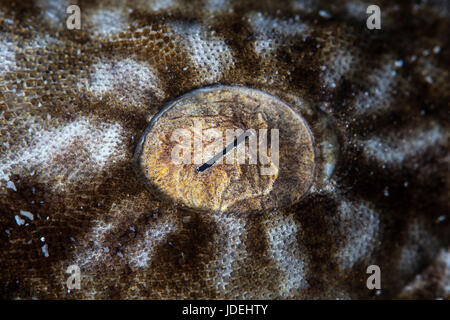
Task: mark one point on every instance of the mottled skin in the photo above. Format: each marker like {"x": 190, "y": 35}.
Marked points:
{"x": 73, "y": 104}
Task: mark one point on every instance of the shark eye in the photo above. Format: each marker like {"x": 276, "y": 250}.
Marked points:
{"x": 228, "y": 149}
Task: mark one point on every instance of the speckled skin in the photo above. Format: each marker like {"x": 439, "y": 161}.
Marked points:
{"x": 73, "y": 104}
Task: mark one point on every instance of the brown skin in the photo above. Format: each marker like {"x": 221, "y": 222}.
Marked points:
{"x": 47, "y": 88}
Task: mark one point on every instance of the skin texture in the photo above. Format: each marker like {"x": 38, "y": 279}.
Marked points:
{"x": 74, "y": 103}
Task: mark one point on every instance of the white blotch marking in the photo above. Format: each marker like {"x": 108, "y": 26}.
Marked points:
{"x": 93, "y": 254}
{"x": 329, "y": 150}
{"x": 267, "y": 27}
{"x": 329, "y": 169}
{"x": 72, "y": 152}
{"x": 395, "y": 150}
{"x": 108, "y": 22}
{"x": 341, "y": 64}
{"x": 128, "y": 79}
{"x": 137, "y": 253}
{"x": 230, "y": 238}
{"x": 11, "y": 185}
{"x": 210, "y": 56}
{"x": 270, "y": 33}
{"x": 142, "y": 252}
{"x": 358, "y": 226}
{"x": 444, "y": 257}
{"x": 419, "y": 246}
{"x": 217, "y": 6}
{"x": 7, "y": 56}
{"x": 42, "y": 42}
{"x": 382, "y": 82}
{"x": 431, "y": 74}
{"x": 160, "y": 5}
{"x": 284, "y": 248}
{"x": 357, "y": 10}
{"x": 263, "y": 47}
{"x": 53, "y": 12}
{"x": 441, "y": 265}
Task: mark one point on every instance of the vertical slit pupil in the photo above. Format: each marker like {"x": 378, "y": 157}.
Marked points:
{"x": 231, "y": 146}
